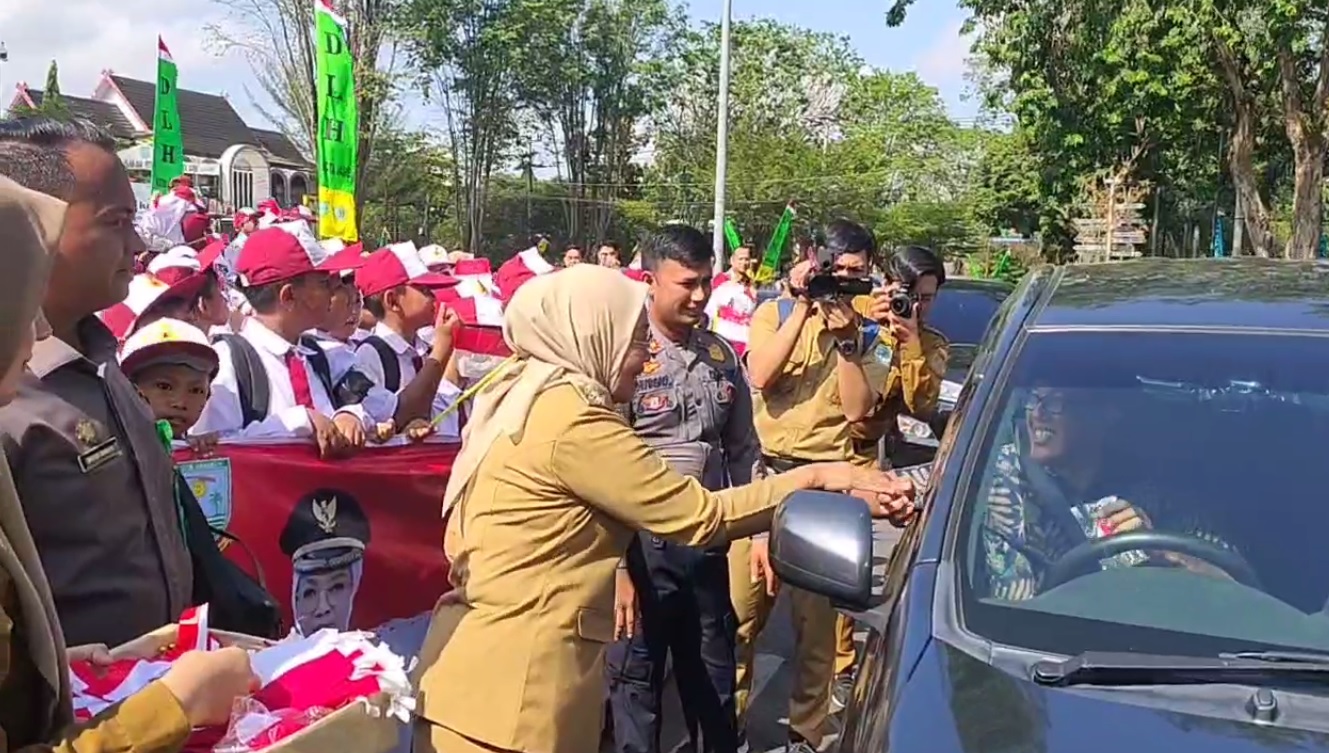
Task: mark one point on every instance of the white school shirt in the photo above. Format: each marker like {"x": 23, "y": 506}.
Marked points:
{"x": 371, "y": 365}
{"x": 286, "y": 418}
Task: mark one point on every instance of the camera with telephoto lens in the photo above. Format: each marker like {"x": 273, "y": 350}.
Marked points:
{"x": 823, "y": 284}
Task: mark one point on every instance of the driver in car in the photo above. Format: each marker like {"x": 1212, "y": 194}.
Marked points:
{"x": 1052, "y": 490}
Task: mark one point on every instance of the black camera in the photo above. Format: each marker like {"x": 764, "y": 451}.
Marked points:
{"x": 824, "y": 284}
{"x": 903, "y": 302}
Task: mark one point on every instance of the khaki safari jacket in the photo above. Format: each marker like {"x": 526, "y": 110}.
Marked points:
{"x": 537, "y": 538}
{"x": 35, "y": 712}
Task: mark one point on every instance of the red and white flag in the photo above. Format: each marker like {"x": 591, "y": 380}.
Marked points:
{"x": 162, "y": 52}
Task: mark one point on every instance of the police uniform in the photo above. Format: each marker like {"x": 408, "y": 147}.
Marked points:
{"x": 693, "y": 406}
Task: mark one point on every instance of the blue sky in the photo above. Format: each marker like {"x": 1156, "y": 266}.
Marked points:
{"x": 929, "y": 41}
{"x": 88, "y": 36}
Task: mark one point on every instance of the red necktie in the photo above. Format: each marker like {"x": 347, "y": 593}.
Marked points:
{"x": 299, "y": 380}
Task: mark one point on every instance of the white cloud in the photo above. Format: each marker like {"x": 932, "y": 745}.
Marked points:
{"x": 86, "y": 37}
{"x": 943, "y": 63}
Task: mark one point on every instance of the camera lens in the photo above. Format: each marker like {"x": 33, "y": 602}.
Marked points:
{"x": 902, "y": 305}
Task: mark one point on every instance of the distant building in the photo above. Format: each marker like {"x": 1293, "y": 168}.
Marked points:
{"x": 233, "y": 164}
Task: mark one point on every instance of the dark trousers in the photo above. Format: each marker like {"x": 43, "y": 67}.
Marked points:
{"x": 685, "y": 612}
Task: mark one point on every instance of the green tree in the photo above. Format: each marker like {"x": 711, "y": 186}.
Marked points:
{"x": 52, "y": 104}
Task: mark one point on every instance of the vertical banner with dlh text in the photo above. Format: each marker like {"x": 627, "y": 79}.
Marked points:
{"x": 168, "y": 150}
{"x": 338, "y": 125}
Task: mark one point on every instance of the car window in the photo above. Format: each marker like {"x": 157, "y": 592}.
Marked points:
{"x": 1214, "y": 446}
{"x": 962, "y": 315}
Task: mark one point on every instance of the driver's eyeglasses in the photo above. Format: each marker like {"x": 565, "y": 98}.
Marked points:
{"x": 1047, "y": 402}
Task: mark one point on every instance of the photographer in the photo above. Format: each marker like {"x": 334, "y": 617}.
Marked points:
{"x": 814, "y": 375}
{"x": 916, "y": 353}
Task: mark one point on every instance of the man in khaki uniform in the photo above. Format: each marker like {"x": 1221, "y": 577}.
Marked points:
{"x": 95, "y": 482}
{"x": 917, "y": 355}
{"x": 815, "y": 375}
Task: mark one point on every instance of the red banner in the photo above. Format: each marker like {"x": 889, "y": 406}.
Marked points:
{"x": 345, "y": 544}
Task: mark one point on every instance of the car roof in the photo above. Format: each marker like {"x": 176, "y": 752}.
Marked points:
{"x": 1000, "y": 287}
{"x": 1168, "y": 293}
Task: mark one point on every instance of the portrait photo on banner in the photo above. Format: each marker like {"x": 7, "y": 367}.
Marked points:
{"x": 325, "y": 536}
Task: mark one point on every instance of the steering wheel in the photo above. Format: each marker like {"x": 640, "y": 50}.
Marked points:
{"x": 1078, "y": 561}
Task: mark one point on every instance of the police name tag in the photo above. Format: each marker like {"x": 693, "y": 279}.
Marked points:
{"x": 99, "y": 455}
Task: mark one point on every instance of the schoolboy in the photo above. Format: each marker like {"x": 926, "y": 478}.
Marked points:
{"x": 286, "y": 277}
{"x": 399, "y": 290}
{"x": 172, "y": 364}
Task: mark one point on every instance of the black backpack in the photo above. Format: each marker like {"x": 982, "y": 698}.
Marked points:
{"x": 252, "y": 378}
{"x": 236, "y": 601}
{"x": 388, "y": 357}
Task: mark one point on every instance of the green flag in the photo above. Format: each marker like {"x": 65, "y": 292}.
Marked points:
{"x": 168, "y": 149}
{"x": 770, "y": 261}
{"x": 338, "y": 126}
{"x": 731, "y": 235}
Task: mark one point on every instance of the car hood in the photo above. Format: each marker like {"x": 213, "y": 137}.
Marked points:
{"x": 953, "y": 702}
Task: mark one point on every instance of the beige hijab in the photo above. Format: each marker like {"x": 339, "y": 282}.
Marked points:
{"x": 573, "y": 327}
{"x": 30, "y": 225}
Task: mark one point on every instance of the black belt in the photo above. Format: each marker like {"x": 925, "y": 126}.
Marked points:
{"x": 784, "y": 465}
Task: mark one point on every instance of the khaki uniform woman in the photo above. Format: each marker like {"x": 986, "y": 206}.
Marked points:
{"x": 35, "y": 711}
{"x": 548, "y": 491}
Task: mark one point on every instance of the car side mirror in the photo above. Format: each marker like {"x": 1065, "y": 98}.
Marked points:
{"x": 822, "y": 542}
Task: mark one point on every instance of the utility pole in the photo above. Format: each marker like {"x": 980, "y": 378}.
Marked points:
{"x": 722, "y": 139}
{"x": 528, "y": 166}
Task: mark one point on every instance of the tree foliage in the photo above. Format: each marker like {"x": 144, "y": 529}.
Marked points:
{"x": 1201, "y": 98}
{"x": 52, "y": 104}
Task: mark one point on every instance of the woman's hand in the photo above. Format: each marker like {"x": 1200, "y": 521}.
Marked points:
{"x": 96, "y": 654}
{"x": 206, "y": 683}
{"x": 625, "y": 604}
{"x": 887, "y": 495}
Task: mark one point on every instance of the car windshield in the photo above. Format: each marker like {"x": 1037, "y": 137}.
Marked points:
{"x": 962, "y": 314}
{"x": 1161, "y": 492}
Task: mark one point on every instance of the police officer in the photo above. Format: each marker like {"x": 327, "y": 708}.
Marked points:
{"x": 693, "y": 405}
{"x": 325, "y": 537}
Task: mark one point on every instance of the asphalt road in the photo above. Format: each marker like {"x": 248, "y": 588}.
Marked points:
{"x": 768, "y": 715}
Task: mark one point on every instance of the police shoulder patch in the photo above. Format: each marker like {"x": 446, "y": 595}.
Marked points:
{"x": 716, "y": 349}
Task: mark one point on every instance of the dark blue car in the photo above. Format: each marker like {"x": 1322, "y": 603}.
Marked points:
{"x": 1122, "y": 546}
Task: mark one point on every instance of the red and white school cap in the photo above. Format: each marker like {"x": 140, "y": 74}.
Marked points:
{"x": 168, "y": 341}
{"x": 284, "y": 252}
{"x": 475, "y": 277}
{"x": 144, "y": 291}
{"x": 478, "y": 345}
{"x": 516, "y": 271}
{"x": 243, "y": 215}
{"x": 434, "y": 255}
{"x": 398, "y": 264}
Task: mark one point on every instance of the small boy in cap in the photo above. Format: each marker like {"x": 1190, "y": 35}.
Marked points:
{"x": 287, "y": 279}
{"x": 172, "y": 364}
{"x": 399, "y": 290}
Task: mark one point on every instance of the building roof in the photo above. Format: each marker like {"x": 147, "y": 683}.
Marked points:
{"x": 282, "y": 150}
{"x": 104, "y": 114}
{"x": 210, "y": 125}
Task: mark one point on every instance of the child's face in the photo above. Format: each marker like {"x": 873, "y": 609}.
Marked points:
{"x": 175, "y": 392}
{"x": 345, "y": 314}
{"x": 416, "y": 306}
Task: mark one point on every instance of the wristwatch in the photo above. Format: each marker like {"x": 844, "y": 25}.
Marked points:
{"x": 847, "y": 348}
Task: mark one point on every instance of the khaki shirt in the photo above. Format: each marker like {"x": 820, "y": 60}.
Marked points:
{"x": 539, "y": 534}
{"x": 799, "y": 416}
{"x": 913, "y": 386}
{"x": 96, "y": 489}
